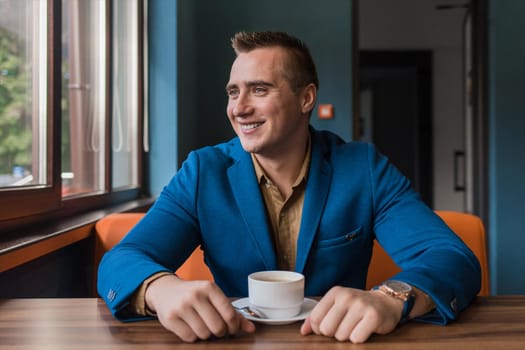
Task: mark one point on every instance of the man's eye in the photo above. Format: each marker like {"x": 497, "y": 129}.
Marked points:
{"x": 233, "y": 93}
{"x": 259, "y": 90}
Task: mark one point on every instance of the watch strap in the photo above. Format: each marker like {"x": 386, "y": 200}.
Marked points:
{"x": 407, "y": 308}
{"x": 407, "y": 297}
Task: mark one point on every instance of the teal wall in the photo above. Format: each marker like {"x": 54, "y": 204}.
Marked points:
{"x": 163, "y": 107}
{"x": 507, "y": 145}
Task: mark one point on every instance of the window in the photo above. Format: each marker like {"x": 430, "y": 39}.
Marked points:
{"x": 22, "y": 73}
{"x": 83, "y": 72}
{"x": 125, "y": 146}
{"x": 71, "y": 110}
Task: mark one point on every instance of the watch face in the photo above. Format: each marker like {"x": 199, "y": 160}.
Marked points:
{"x": 398, "y": 286}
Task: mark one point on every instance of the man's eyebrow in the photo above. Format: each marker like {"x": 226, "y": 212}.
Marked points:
{"x": 231, "y": 86}
{"x": 259, "y": 82}
{"x": 250, "y": 83}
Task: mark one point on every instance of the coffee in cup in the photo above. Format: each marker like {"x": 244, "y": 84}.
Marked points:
{"x": 276, "y": 294}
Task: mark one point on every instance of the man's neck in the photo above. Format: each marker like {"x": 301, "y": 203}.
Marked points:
{"x": 283, "y": 170}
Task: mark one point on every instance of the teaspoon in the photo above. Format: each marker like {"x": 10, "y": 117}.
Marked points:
{"x": 246, "y": 310}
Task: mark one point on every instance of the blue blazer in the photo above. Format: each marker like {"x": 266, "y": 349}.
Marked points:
{"x": 353, "y": 195}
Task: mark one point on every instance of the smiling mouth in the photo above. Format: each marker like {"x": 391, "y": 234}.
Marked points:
{"x": 246, "y": 127}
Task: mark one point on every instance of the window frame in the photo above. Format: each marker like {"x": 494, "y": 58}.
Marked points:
{"x": 23, "y": 206}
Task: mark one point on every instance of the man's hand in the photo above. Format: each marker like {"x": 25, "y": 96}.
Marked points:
{"x": 194, "y": 309}
{"x": 353, "y": 314}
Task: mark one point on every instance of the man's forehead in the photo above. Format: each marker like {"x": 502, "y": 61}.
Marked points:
{"x": 258, "y": 65}
{"x": 254, "y": 73}
{"x": 269, "y": 56}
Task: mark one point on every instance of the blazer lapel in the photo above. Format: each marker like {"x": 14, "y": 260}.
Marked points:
{"x": 318, "y": 184}
{"x": 249, "y": 200}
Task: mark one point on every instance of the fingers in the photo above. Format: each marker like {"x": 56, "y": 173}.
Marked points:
{"x": 318, "y": 320}
{"x": 222, "y": 310}
{"x": 360, "y": 331}
{"x": 215, "y": 312}
{"x": 349, "y": 315}
{"x": 189, "y": 328}
{"x": 210, "y": 321}
{"x": 306, "y": 327}
{"x": 216, "y": 316}
{"x": 233, "y": 320}
{"x": 247, "y": 325}
{"x": 197, "y": 310}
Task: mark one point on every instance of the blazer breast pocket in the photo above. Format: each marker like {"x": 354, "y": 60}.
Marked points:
{"x": 342, "y": 240}
{"x": 340, "y": 260}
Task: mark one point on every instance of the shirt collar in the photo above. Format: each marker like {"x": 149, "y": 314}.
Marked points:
{"x": 263, "y": 178}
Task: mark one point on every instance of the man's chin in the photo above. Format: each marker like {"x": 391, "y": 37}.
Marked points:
{"x": 249, "y": 147}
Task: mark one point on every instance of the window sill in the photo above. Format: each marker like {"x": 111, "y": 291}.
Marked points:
{"x": 21, "y": 246}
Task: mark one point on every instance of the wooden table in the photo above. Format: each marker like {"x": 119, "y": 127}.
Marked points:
{"x": 490, "y": 323}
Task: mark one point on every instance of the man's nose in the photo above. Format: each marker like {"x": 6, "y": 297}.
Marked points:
{"x": 242, "y": 106}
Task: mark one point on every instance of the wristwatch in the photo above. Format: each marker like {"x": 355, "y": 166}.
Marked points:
{"x": 402, "y": 291}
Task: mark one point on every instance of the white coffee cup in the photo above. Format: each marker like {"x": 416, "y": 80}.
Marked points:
{"x": 276, "y": 294}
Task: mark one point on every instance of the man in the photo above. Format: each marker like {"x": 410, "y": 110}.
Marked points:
{"x": 283, "y": 195}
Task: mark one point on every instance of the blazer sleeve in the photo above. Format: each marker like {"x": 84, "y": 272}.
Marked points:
{"x": 431, "y": 256}
{"x": 161, "y": 241}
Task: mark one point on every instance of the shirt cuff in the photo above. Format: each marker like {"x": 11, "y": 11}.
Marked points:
{"x": 429, "y": 304}
{"x": 138, "y": 300}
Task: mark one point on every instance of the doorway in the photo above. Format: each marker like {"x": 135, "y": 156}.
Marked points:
{"x": 396, "y": 111}
{"x": 420, "y": 69}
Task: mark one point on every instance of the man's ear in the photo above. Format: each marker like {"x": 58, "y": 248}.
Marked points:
{"x": 309, "y": 96}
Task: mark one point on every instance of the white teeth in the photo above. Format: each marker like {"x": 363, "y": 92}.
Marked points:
{"x": 249, "y": 126}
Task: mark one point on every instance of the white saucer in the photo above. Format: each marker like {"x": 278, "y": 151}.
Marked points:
{"x": 308, "y": 305}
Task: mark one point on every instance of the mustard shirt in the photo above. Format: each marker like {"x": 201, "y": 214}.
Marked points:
{"x": 284, "y": 213}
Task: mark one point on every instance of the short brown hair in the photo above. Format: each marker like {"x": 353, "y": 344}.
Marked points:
{"x": 301, "y": 70}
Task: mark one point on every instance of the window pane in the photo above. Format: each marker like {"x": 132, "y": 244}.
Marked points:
{"x": 83, "y": 96}
{"x": 23, "y": 49}
{"x": 125, "y": 93}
